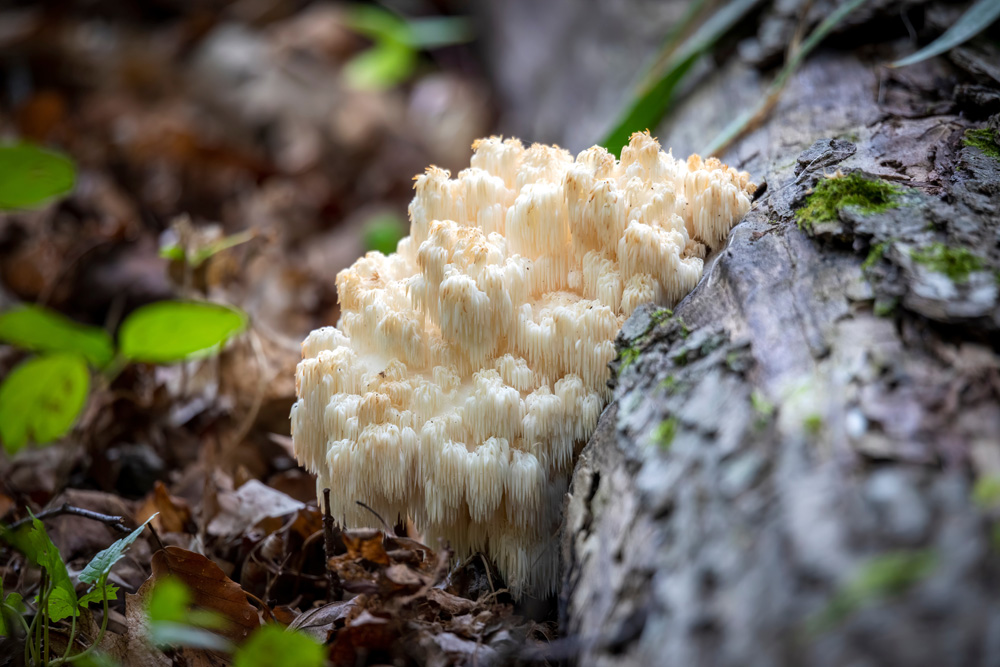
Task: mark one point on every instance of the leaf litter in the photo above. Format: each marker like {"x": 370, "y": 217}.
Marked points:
{"x": 198, "y": 181}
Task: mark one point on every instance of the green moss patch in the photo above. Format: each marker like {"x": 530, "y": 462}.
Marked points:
{"x": 832, "y": 194}
{"x": 956, "y": 263}
{"x": 663, "y": 434}
{"x": 985, "y": 140}
{"x": 627, "y": 357}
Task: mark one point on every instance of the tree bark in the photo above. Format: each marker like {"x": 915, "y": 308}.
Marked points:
{"x": 786, "y": 474}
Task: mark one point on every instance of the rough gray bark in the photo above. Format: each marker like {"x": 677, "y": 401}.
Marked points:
{"x": 786, "y": 477}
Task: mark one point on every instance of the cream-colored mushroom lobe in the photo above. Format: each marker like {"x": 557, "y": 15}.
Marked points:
{"x": 469, "y": 366}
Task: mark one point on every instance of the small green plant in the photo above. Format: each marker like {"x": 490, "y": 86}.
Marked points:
{"x": 833, "y": 194}
{"x": 392, "y": 58}
{"x": 986, "y": 492}
{"x": 57, "y": 598}
{"x": 664, "y": 433}
{"x": 661, "y": 315}
{"x": 194, "y": 254}
{"x": 884, "y": 576}
{"x": 762, "y": 406}
{"x": 41, "y": 398}
{"x": 956, "y": 263}
{"x": 670, "y": 383}
{"x": 875, "y": 255}
{"x": 885, "y": 307}
{"x": 985, "y": 139}
{"x": 813, "y": 424}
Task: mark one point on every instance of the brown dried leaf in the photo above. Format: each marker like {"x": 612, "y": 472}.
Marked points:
{"x": 366, "y": 544}
{"x": 211, "y": 589}
{"x": 174, "y": 513}
{"x": 364, "y": 633}
{"x": 401, "y": 580}
{"x": 321, "y": 622}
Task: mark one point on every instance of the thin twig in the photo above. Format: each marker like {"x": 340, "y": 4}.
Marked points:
{"x": 388, "y": 528}
{"x": 115, "y": 522}
{"x": 335, "y": 590}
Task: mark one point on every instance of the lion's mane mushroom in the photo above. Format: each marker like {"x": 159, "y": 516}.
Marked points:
{"x": 469, "y": 365}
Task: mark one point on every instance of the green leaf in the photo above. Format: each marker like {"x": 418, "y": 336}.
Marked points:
{"x": 41, "y": 398}
{"x": 102, "y": 563}
{"x": 976, "y": 19}
{"x": 382, "y": 66}
{"x": 273, "y": 645}
{"x": 39, "y": 329}
{"x": 15, "y": 602}
{"x": 62, "y": 605}
{"x": 11, "y": 607}
{"x": 171, "y": 633}
{"x": 656, "y": 94}
{"x": 97, "y": 595}
{"x": 94, "y": 659}
{"x": 168, "y": 601}
{"x": 382, "y": 25}
{"x": 170, "y": 331}
{"x": 383, "y": 233}
{"x": 376, "y": 23}
{"x": 438, "y": 31}
{"x": 30, "y": 175}
{"x": 34, "y": 542}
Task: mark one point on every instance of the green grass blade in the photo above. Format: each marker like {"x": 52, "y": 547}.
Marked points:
{"x": 737, "y": 127}
{"x": 978, "y": 17}
{"x": 654, "y": 98}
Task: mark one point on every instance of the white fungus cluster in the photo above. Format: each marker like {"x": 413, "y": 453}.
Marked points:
{"x": 468, "y": 366}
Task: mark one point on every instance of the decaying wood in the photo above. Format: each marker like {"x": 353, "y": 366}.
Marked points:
{"x": 786, "y": 473}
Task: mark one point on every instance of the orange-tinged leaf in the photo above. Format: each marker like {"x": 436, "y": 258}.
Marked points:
{"x": 210, "y": 588}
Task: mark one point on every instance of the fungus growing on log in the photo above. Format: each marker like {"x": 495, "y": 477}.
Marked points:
{"x": 469, "y": 365}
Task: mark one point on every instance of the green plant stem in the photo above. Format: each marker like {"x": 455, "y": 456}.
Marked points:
{"x": 20, "y": 617}
{"x": 69, "y": 642}
{"x": 29, "y": 640}
{"x": 45, "y": 633}
{"x": 114, "y": 369}
{"x": 100, "y": 634}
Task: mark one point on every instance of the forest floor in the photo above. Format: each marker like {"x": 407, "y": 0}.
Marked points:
{"x": 225, "y": 156}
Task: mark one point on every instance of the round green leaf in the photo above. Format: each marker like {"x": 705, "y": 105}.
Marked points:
{"x": 41, "y": 399}
{"x": 273, "y": 645}
{"x": 42, "y": 330}
{"x": 168, "y": 331}
{"x": 30, "y": 175}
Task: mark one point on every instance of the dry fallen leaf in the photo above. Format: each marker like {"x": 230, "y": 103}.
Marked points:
{"x": 174, "y": 513}
{"x": 366, "y": 544}
{"x": 210, "y": 588}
